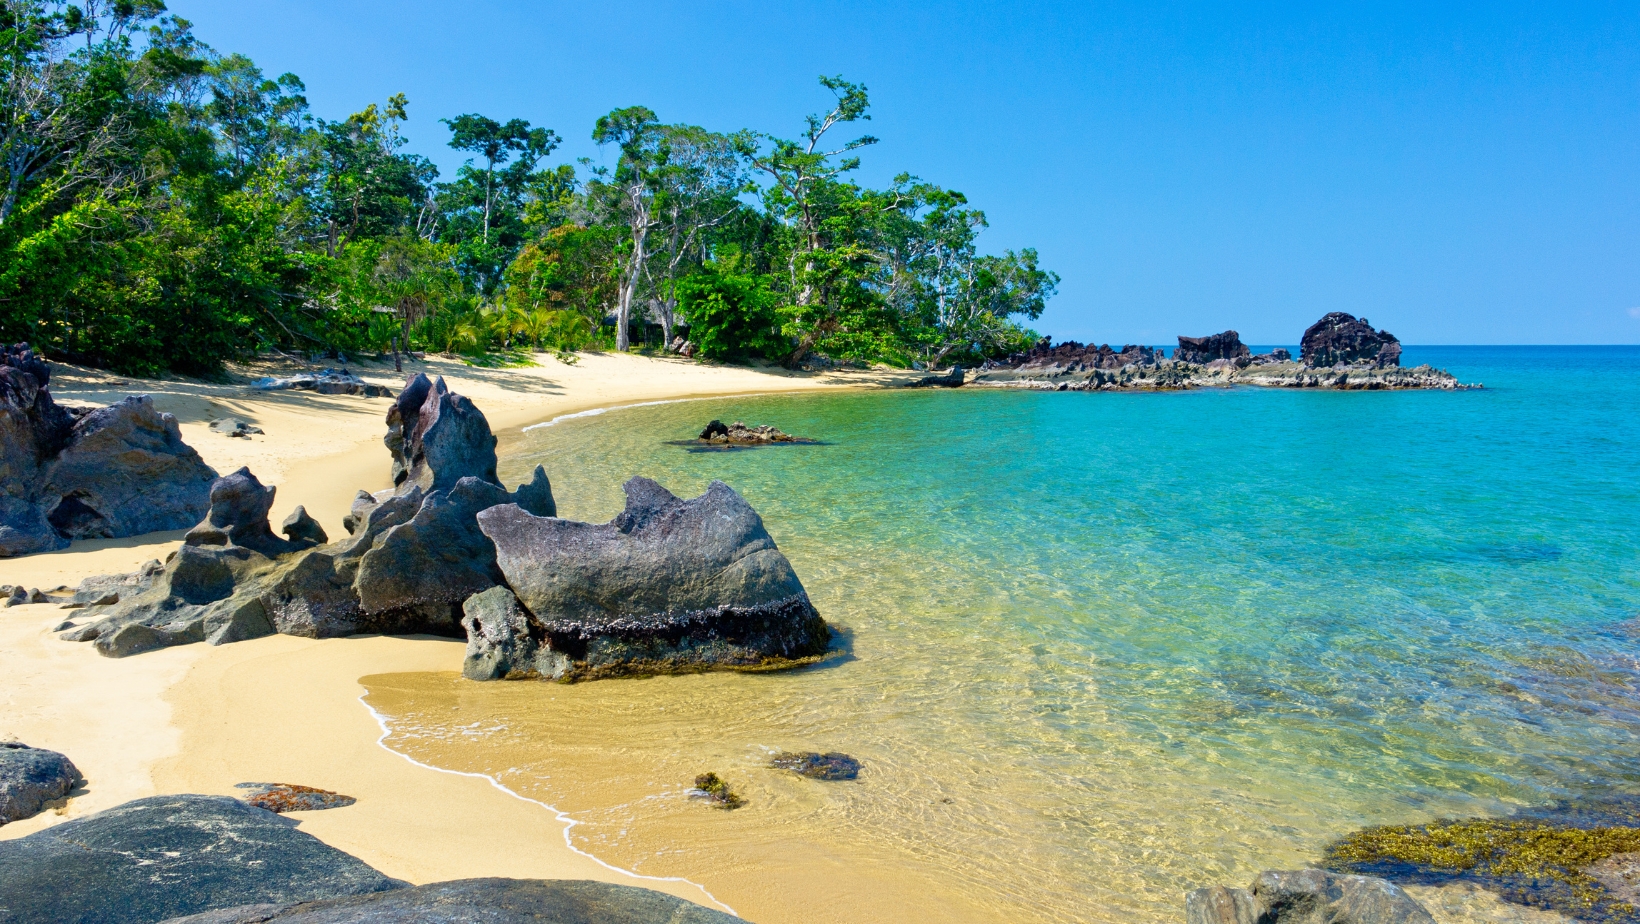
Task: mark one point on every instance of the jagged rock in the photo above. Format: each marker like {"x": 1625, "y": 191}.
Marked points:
{"x": 401, "y": 421}
{"x": 30, "y": 778}
{"x": 437, "y": 438}
{"x": 953, "y": 379}
{"x": 280, "y": 798}
{"x": 1072, "y": 356}
{"x": 108, "y": 589}
{"x": 738, "y": 434}
{"x": 420, "y": 571}
{"x": 167, "y": 856}
{"x": 300, "y": 528}
{"x": 233, "y": 426}
{"x": 362, "y": 502}
{"x": 1277, "y": 355}
{"x": 668, "y": 585}
{"x": 238, "y": 516}
{"x": 535, "y": 495}
{"x": 1308, "y": 896}
{"x": 17, "y": 597}
{"x": 1203, "y": 350}
{"x": 24, "y": 528}
{"x": 499, "y": 643}
{"x": 324, "y": 382}
{"x": 818, "y": 766}
{"x": 482, "y": 901}
{"x": 1342, "y": 338}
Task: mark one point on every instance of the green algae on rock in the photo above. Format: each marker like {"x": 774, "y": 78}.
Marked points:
{"x": 715, "y": 789}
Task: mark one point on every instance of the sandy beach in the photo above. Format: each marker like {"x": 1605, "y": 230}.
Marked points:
{"x": 199, "y": 719}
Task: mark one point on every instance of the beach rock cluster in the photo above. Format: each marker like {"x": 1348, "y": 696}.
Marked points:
{"x": 87, "y": 473}
{"x": 955, "y": 378}
{"x": 1343, "y": 338}
{"x": 667, "y": 586}
{"x": 1308, "y": 896}
{"x": 738, "y": 434}
{"x": 1072, "y": 356}
{"x": 324, "y": 382}
{"x": 30, "y": 778}
{"x": 1203, "y": 350}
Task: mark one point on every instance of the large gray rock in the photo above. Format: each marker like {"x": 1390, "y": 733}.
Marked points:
{"x": 440, "y": 441}
{"x": 421, "y": 570}
{"x": 1309, "y": 896}
{"x": 24, "y": 528}
{"x": 667, "y": 586}
{"x": 125, "y": 471}
{"x": 168, "y": 856}
{"x": 30, "y": 778}
{"x": 238, "y": 516}
{"x": 499, "y": 643}
{"x": 483, "y": 901}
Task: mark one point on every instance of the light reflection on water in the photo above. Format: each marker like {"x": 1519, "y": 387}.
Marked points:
{"x": 1105, "y": 648}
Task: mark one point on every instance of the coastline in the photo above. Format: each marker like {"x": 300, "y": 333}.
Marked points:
{"x": 201, "y": 719}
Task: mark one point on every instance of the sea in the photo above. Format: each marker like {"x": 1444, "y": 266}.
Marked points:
{"x": 1094, "y": 650}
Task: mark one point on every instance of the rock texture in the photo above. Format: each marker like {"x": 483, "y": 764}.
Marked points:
{"x": 815, "y": 766}
{"x": 1308, "y": 896}
{"x": 482, "y": 901}
{"x": 30, "y": 778}
{"x": 168, "y": 856}
{"x": 324, "y": 382}
{"x": 82, "y": 473}
{"x": 738, "y": 434}
{"x": 953, "y": 379}
{"x": 1203, "y": 350}
{"x": 280, "y": 798}
{"x": 1343, "y": 338}
{"x": 667, "y": 586}
{"x": 412, "y": 558}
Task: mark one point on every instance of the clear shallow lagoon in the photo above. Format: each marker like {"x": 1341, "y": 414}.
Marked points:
{"x": 1108, "y": 647}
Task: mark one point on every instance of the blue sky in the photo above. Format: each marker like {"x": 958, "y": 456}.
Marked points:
{"x": 1458, "y": 176}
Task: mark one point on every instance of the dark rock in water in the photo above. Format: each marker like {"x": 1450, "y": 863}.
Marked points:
{"x": 738, "y": 434}
{"x": 279, "y": 798}
{"x": 167, "y": 856}
{"x": 30, "y": 778}
{"x": 953, "y": 379}
{"x": 300, "y": 528}
{"x": 535, "y": 495}
{"x": 421, "y": 570}
{"x": 1203, "y": 350}
{"x": 499, "y": 643}
{"x": 1342, "y": 338}
{"x": 818, "y": 766}
{"x": 238, "y": 516}
{"x": 1308, "y": 896}
{"x": 1073, "y": 356}
{"x": 667, "y": 586}
{"x": 483, "y": 901}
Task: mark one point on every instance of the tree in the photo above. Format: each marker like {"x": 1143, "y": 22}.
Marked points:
{"x": 497, "y": 143}
{"x": 630, "y": 194}
{"x": 698, "y": 176}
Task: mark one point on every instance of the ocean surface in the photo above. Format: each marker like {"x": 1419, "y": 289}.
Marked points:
{"x": 1099, "y": 649}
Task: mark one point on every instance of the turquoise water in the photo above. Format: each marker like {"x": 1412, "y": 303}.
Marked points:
{"x": 1107, "y": 647}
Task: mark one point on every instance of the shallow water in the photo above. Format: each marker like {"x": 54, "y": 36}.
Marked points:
{"x": 1103, "y": 648}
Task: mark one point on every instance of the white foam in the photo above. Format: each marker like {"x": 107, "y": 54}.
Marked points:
{"x": 621, "y": 407}
{"x": 567, "y": 821}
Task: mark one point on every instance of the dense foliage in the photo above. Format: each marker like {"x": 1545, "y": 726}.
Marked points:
{"x": 168, "y": 207}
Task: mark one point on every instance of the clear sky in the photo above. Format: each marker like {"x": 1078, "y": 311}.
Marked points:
{"x": 1459, "y": 176}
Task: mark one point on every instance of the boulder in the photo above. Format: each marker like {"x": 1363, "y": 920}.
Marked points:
{"x": 738, "y": 434}
{"x": 446, "y": 440}
{"x": 238, "y": 516}
{"x": 421, "y": 570}
{"x": 952, "y": 379}
{"x": 535, "y": 495}
{"x": 1308, "y": 896}
{"x": 499, "y": 643}
{"x": 30, "y": 778}
{"x": 1343, "y": 338}
{"x": 324, "y": 382}
{"x": 667, "y": 586}
{"x": 169, "y": 856}
{"x": 299, "y": 528}
{"x": 1203, "y": 350}
{"x": 24, "y": 528}
{"x": 482, "y": 901}
{"x": 362, "y": 502}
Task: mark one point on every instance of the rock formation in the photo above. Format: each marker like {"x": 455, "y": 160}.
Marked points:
{"x": 30, "y": 778}
{"x": 831, "y": 766}
{"x": 166, "y": 856}
{"x": 1308, "y": 896}
{"x": 667, "y": 586}
{"x": 83, "y": 473}
{"x": 1072, "y": 356}
{"x": 492, "y": 901}
{"x": 1203, "y": 350}
{"x": 952, "y": 379}
{"x": 324, "y": 382}
{"x": 738, "y": 434}
{"x": 1343, "y": 338}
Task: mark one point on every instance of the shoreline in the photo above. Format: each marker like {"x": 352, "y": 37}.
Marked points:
{"x": 200, "y": 719}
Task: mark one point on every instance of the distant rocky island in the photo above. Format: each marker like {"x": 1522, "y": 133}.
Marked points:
{"x": 1340, "y": 351}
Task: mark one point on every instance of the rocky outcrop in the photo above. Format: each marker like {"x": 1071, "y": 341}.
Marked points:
{"x": 490, "y": 901}
{"x": 1343, "y": 338}
{"x": 667, "y": 586}
{"x": 1071, "y": 356}
{"x": 437, "y": 437}
{"x": 718, "y": 433}
{"x": 952, "y": 379}
{"x": 30, "y": 778}
{"x": 168, "y": 856}
{"x": 1203, "y": 350}
{"x": 73, "y": 473}
{"x": 1308, "y": 896}
{"x": 324, "y": 382}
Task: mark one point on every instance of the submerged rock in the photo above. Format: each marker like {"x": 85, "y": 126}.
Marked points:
{"x": 667, "y": 586}
{"x": 490, "y": 901}
{"x": 815, "y": 766}
{"x": 167, "y": 856}
{"x": 279, "y": 798}
{"x": 30, "y": 778}
{"x": 1308, "y": 896}
{"x": 716, "y": 790}
{"x": 1342, "y": 338}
